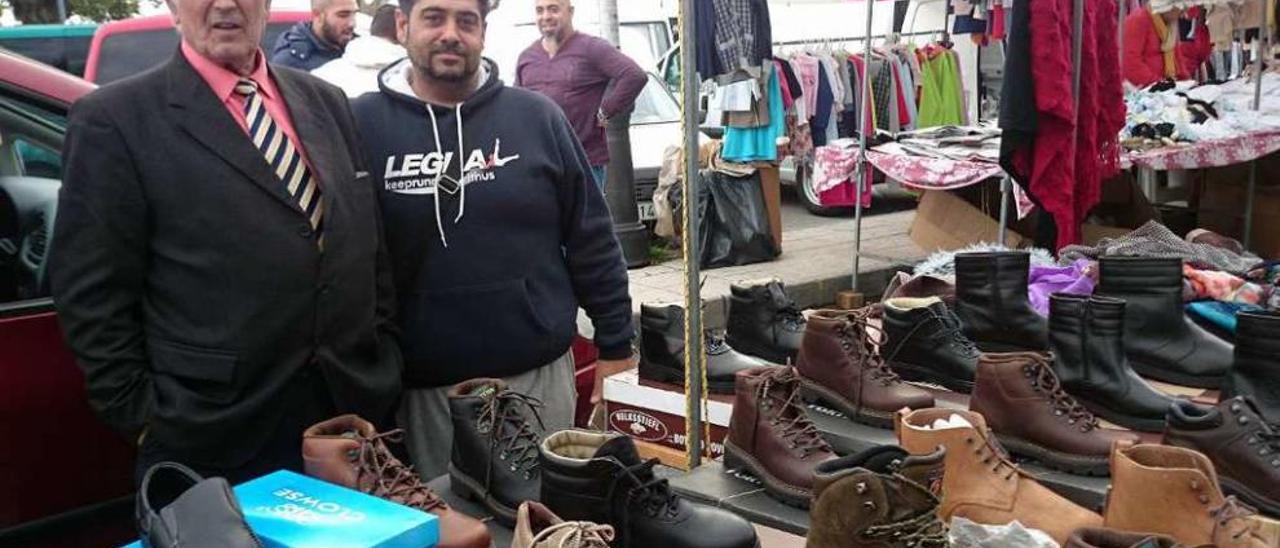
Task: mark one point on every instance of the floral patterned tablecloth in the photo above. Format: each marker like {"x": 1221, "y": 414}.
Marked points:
{"x": 942, "y": 174}
{"x": 1215, "y": 153}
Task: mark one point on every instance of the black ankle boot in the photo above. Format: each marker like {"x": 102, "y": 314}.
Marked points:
{"x": 662, "y": 351}
{"x": 495, "y": 446}
{"x": 1161, "y": 342}
{"x": 1256, "y": 370}
{"x": 598, "y": 477}
{"x": 991, "y": 302}
{"x": 1087, "y": 338}
{"x": 925, "y": 343}
{"x": 764, "y": 322}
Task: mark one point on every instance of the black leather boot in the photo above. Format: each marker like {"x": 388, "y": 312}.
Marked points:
{"x": 496, "y": 432}
{"x": 764, "y": 322}
{"x": 925, "y": 343}
{"x": 1161, "y": 341}
{"x": 1256, "y": 370}
{"x": 662, "y": 351}
{"x": 991, "y": 302}
{"x": 599, "y": 477}
{"x": 1087, "y": 338}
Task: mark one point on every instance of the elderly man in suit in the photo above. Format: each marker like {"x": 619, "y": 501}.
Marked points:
{"x": 219, "y": 268}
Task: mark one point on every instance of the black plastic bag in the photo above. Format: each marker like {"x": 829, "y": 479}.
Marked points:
{"x": 733, "y": 221}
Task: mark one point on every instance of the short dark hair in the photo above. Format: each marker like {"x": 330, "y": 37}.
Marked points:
{"x": 384, "y": 22}
{"x": 485, "y": 6}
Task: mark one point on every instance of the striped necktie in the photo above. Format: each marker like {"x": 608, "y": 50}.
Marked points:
{"x": 281, "y": 155}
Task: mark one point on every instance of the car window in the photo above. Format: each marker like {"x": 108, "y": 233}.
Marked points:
{"x": 127, "y": 53}
{"x": 30, "y": 176}
{"x": 655, "y": 105}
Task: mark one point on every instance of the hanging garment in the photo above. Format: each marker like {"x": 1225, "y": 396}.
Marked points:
{"x": 821, "y": 116}
{"x": 743, "y": 33}
{"x": 758, "y": 144}
{"x": 706, "y": 56}
{"x": 806, "y": 67}
{"x": 940, "y": 95}
{"x": 1144, "y": 56}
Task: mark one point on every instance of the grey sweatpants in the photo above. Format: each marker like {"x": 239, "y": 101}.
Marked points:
{"x": 428, "y": 428}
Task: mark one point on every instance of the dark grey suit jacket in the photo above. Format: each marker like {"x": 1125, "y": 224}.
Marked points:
{"x": 188, "y": 283}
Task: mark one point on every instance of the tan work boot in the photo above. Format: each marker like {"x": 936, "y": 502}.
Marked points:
{"x": 1174, "y": 491}
{"x": 539, "y": 527}
{"x": 981, "y": 484}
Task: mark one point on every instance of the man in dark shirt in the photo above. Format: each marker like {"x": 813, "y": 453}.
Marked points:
{"x": 309, "y": 44}
{"x": 589, "y": 78}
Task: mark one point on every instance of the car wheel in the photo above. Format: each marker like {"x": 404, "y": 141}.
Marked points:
{"x": 809, "y": 197}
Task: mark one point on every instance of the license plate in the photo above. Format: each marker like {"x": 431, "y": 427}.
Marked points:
{"x": 647, "y": 211}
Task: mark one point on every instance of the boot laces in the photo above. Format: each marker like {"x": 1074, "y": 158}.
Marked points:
{"x": 581, "y": 534}
{"x": 651, "y": 495}
{"x": 392, "y": 479}
{"x": 785, "y": 309}
{"x": 510, "y": 431}
{"x": 863, "y": 346}
{"x": 922, "y": 531}
{"x": 1264, "y": 435}
{"x": 954, "y": 332}
{"x": 993, "y": 454}
{"x": 1233, "y": 511}
{"x": 1044, "y": 380}
{"x": 781, "y": 391}
{"x": 715, "y": 342}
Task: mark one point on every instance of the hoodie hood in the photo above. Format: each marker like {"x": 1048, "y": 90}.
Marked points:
{"x": 372, "y": 52}
{"x": 394, "y": 82}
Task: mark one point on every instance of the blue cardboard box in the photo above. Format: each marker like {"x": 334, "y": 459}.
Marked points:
{"x": 290, "y": 510}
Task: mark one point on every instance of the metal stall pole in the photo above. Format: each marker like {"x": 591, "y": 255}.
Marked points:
{"x": 694, "y": 359}
{"x": 1264, "y": 39}
{"x": 1006, "y": 186}
{"x": 861, "y": 167}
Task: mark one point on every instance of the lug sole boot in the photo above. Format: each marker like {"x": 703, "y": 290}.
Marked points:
{"x": 992, "y": 304}
{"x": 1023, "y": 402}
{"x": 1161, "y": 342}
{"x": 925, "y": 343}
{"x": 764, "y": 322}
{"x": 347, "y": 451}
{"x": 1174, "y": 491}
{"x": 981, "y": 484}
{"x": 662, "y": 351}
{"x": 494, "y": 460}
{"x": 770, "y": 435}
{"x": 1257, "y": 362}
{"x": 840, "y": 366}
{"x": 1086, "y": 335}
{"x": 869, "y": 500}
{"x": 1243, "y": 447}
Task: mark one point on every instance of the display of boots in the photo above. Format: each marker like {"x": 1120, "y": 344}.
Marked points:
{"x": 764, "y": 322}
{"x": 839, "y": 364}
{"x": 1111, "y": 538}
{"x": 1174, "y": 491}
{"x": 494, "y": 460}
{"x": 992, "y": 304}
{"x": 538, "y": 527}
{"x": 925, "y": 342}
{"x": 176, "y": 508}
{"x": 877, "y": 499}
{"x": 1087, "y": 337}
{"x": 1023, "y": 402}
{"x": 981, "y": 484}
{"x": 1256, "y": 367}
{"x": 599, "y": 477}
{"x": 1161, "y": 341}
{"x": 347, "y": 451}
{"x": 770, "y": 435}
{"x": 662, "y": 351}
{"x": 1243, "y": 447}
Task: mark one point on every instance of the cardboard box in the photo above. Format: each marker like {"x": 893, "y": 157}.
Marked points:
{"x": 945, "y": 222}
{"x": 771, "y": 184}
{"x": 655, "y": 413}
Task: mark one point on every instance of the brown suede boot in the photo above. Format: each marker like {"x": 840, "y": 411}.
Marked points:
{"x": 1019, "y": 396}
{"x": 869, "y": 500}
{"x": 840, "y": 365}
{"x": 1174, "y": 491}
{"x": 770, "y": 435}
{"x": 1110, "y": 538}
{"x": 347, "y": 451}
{"x": 981, "y": 483}
{"x": 538, "y": 527}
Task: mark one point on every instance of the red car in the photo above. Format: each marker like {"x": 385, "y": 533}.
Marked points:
{"x": 124, "y": 48}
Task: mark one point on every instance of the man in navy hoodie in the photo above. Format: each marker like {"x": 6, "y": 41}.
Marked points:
{"x": 310, "y": 44}
{"x": 496, "y": 229}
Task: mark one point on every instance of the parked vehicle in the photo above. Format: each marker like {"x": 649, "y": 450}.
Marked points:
{"x": 124, "y": 48}
{"x": 65, "y": 47}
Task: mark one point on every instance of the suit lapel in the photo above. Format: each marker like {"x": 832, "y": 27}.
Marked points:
{"x": 200, "y": 113}
{"x": 323, "y": 142}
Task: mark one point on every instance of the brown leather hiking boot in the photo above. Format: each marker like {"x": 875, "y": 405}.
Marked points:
{"x": 770, "y": 435}
{"x": 1022, "y": 401}
{"x": 1174, "y": 491}
{"x": 981, "y": 484}
{"x": 347, "y": 451}
{"x": 869, "y": 500}
{"x": 1243, "y": 447}
{"x": 1110, "y": 538}
{"x": 840, "y": 365}
{"x": 538, "y": 527}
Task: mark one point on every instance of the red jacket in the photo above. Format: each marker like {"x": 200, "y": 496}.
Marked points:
{"x": 1143, "y": 60}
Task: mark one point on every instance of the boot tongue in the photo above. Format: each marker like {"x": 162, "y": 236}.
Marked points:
{"x": 620, "y": 448}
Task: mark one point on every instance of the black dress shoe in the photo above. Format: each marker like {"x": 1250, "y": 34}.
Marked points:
{"x": 764, "y": 322}
{"x": 176, "y": 508}
{"x": 992, "y": 304}
{"x": 662, "y": 351}
{"x": 925, "y": 343}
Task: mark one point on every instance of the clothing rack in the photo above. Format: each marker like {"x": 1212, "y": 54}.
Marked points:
{"x": 840, "y": 39}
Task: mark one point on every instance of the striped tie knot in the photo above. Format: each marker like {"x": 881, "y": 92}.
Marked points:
{"x": 246, "y": 87}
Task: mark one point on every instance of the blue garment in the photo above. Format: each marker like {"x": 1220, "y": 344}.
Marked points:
{"x": 708, "y": 61}
{"x": 758, "y": 143}
{"x": 1221, "y": 314}
{"x": 820, "y": 119}
{"x": 599, "y": 173}
{"x": 301, "y": 49}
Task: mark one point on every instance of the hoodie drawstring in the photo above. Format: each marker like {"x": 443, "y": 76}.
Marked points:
{"x": 435, "y": 131}
{"x": 462, "y": 199}
{"x": 462, "y": 187}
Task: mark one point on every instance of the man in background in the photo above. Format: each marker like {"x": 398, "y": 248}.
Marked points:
{"x": 309, "y": 44}
{"x": 356, "y": 72}
{"x": 590, "y": 79}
